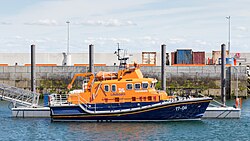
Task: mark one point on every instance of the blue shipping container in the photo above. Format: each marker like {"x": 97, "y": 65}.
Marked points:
{"x": 229, "y": 61}
{"x": 184, "y": 56}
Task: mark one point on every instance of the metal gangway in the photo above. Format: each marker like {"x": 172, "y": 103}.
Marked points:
{"x": 19, "y": 96}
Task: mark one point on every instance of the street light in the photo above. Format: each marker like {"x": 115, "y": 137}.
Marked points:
{"x": 68, "y": 39}
{"x": 229, "y": 34}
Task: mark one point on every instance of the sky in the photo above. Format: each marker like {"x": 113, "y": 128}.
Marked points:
{"x": 137, "y": 25}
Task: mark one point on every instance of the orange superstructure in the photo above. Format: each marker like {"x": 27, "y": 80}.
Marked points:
{"x": 128, "y": 85}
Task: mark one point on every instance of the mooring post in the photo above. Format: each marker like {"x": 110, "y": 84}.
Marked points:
{"x": 223, "y": 75}
{"x": 91, "y": 58}
{"x": 228, "y": 80}
{"x": 33, "y": 69}
{"x": 163, "y": 67}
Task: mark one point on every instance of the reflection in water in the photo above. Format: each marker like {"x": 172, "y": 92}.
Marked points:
{"x": 43, "y": 129}
{"x": 128, "y": 131}
{"x": 115, "y": 131}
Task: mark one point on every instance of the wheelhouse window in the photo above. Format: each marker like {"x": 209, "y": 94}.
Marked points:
{"x": 144, "y": 85}
{"x": 113, "y": 88}
{"x": 129, "y": 86}
{"x": 152, "y": 85}
{"x": 137, "y": 86}
{"x": 106, "y": 88}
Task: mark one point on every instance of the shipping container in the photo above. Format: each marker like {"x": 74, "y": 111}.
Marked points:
{"x": 216, "y": 55}
{"x": 148, "y": 57}
{"x": 198, "y": 57}
{"x": 173, "y": 58}
{"x": 184, "y": 56}
{"x": 209, "y": 61}
{"x": 229, "y": 61}
{"x": 167, "y": 59}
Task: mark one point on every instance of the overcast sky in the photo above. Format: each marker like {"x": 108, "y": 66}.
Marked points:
{"x": 138, "y": 25}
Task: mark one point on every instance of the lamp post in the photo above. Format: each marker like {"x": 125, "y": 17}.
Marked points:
{"x": 229, "y": 34}
{"x": 68, "y": 39}
{"x": 68, "y": 56}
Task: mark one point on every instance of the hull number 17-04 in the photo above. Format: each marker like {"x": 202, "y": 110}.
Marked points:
{"x": 181, "y": 108}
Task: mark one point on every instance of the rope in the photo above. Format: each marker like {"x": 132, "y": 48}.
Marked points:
{"x": 214, "y": 101}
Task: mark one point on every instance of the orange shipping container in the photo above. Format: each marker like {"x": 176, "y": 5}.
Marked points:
{"x": 216, "y": 55}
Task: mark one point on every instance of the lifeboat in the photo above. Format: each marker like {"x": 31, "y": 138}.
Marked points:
{"x": 123, "y": 96}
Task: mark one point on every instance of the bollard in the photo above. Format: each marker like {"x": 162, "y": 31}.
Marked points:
{"x": 163, "y": 67}
{"x": 33, "y": 69}
{"x": 223, "y": 75}
{"x": 91, "y": 58}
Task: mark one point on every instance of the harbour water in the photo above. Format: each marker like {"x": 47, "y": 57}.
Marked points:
{"x": 30, "y": 129}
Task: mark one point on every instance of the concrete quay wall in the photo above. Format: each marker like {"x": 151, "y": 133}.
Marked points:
{"x": 56, "y": 78}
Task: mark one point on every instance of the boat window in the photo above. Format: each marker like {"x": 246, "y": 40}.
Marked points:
{"x": 149, "y": 98}
{"x": 144, "y": 85}
{"x": 137, "y": 86}
{"x": 113, "y": 88}
{"x": 152, "y": 85}
{"x": 129, "y": 86}
{"x": 133, "y": 98}
{"x": 117, "y": 99}
{"x": 106, "y": 88}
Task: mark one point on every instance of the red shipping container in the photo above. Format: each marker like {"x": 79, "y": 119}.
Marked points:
{"x": 173, "y": 58}
{"x": 198, "y": 57}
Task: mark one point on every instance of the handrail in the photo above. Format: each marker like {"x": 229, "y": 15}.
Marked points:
{"x": 86, "y": 108}
{"x": 19, "y": 96}
{"x": 81, "y": 100}
{"x": 59, "y": 99}
{"x": 63, "y": 98}
{"x": 83, "y": 103}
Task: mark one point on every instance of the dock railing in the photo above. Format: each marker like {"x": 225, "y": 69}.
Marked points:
{"x": 19, "y": 96}
{"x": 62, "y": 99}
{"x": 58, "y": 99}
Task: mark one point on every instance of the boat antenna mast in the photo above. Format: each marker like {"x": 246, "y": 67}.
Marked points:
{"x": 123, "y": 60}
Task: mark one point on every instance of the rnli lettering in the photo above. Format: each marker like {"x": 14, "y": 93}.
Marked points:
{"x": 117, "y": 94}
{"x": 181, "y": 108}
{"x": 121, "y": 90}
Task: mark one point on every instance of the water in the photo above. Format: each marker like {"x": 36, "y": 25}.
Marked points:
{"x": 30, "y": 129}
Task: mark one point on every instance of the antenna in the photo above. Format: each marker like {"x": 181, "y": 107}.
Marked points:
{"x": 123, "y": 60}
